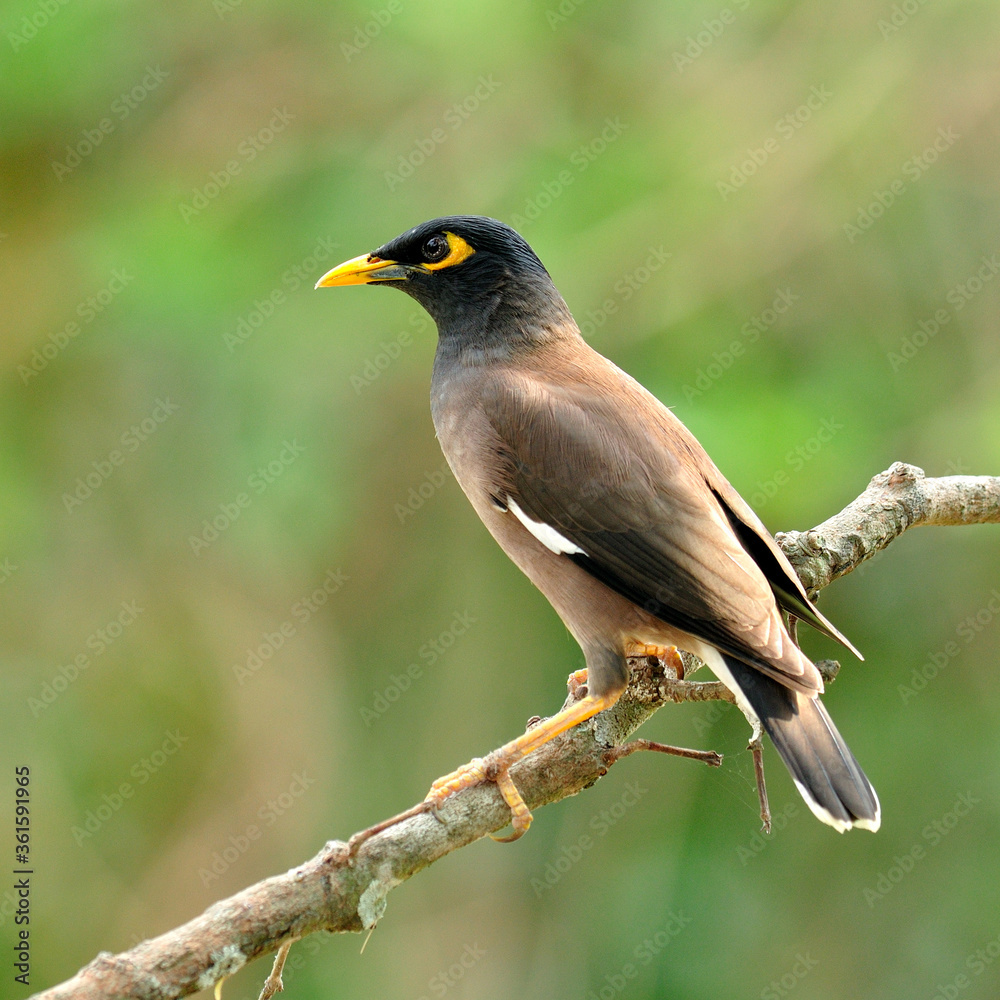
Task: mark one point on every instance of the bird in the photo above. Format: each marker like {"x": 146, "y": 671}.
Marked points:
{"x": 610, "y": 506}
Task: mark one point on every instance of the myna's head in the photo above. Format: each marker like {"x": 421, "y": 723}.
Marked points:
{"x": 476, "y": 276}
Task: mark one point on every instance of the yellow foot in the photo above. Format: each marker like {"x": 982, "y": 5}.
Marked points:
{"x": 644, "y": 649}
{"x": 520, "y": 814}
{"x": 496, "y": 767}
{"x": 493, "y": 768}
{"x": 668, "y": 655}
{"x": 575, "y": 681}
{"x": 465, "y": 777}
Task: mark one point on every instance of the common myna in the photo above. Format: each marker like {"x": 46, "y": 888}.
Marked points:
{"x": 609, "y": 505}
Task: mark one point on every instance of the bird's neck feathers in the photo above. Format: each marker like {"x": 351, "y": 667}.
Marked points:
{"x": 514, "y": 317}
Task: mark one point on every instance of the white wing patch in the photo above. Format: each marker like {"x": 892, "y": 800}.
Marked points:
{"x": 545, "y": 533}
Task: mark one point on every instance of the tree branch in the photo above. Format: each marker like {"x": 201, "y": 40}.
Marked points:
{"x": 335, "y": 891}
{"x": 895, "y": 500}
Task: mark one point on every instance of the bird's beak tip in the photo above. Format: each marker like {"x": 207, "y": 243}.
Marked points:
{"x": 361, "y": 270}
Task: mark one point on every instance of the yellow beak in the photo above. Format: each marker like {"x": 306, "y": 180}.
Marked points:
{"x": 363, "y": 270}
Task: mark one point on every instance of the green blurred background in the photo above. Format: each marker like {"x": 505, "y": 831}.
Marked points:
{"x": 174, "y": 179}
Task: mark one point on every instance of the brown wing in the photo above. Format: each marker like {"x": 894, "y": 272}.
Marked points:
{"x": 651, "y": 528}
{"x": 774, "y": 564}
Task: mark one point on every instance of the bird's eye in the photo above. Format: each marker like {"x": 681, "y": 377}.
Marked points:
{"x": 435, "y": 248}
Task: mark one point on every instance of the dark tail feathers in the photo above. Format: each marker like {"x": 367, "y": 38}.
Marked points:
{"x": 822, "y": 766}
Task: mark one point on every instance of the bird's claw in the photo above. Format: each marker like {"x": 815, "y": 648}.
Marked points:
{"x": 465, "y": 777}
{"x": 477, "y": 771}
{"x": 576, "y": 683}
{"x": 520, "y": 814}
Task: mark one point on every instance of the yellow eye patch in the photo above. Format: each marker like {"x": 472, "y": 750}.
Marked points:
{"x": 458, "y": 251}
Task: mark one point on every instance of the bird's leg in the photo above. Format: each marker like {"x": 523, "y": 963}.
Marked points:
{"x": 497, "y": 765}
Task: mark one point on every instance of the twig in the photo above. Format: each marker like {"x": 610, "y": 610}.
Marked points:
{"x": 341, "y": 890}
{"x": 273, "y": 983}
{"x": 897, "y": 499}
{"x": 756, "y": 749}
{"x": 615, "y": 754}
